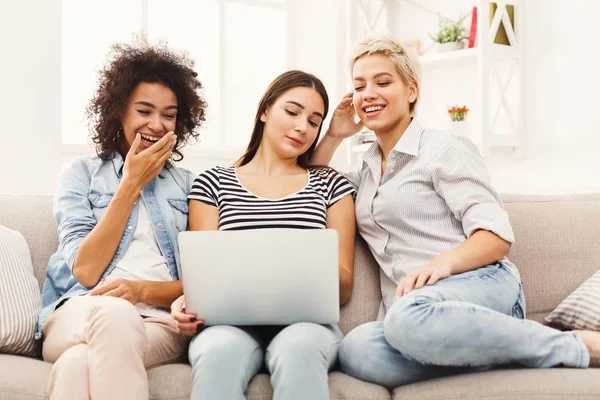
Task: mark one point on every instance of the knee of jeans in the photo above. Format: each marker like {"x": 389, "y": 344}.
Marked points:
{"x": 220, "y": 344}
{"x": 353, "y": 348}
{"x": 405, "y": 326}
{"x": 299, "y": 343}
{"x": 357, "y": 348}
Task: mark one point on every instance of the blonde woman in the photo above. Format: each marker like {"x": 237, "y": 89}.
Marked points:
{"x": 436, "y": 226}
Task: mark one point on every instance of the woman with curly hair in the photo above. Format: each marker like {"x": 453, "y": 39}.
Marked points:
{"x": 104, "y": 319}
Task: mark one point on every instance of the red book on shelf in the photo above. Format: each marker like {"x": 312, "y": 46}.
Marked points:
{"x": 473, "y": 32}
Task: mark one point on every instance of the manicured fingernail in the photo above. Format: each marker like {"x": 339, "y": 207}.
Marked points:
{"x": 193, "y": 319}
{"x": 199, "y": 328}
{"x": 183, "y": 309}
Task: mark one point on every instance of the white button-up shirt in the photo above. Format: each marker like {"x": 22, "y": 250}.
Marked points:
{"x": 434, "y": 194}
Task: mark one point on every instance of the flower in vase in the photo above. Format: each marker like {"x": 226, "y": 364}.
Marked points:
{"x": 457, "y": 113}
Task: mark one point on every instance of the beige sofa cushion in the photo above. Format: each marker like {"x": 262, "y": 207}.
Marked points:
{"x": 366, "y": 294}
{"x": 557, "y": 246}
{"x": 20, "y": 298}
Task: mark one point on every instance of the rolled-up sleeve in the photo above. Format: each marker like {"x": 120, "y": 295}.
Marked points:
{"x": 72, "y": 210}
{"x": 460, "y": 177}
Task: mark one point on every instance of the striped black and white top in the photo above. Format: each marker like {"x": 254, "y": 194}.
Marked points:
{"x": 433, "y": 195}
{"x": 240, "y": 209}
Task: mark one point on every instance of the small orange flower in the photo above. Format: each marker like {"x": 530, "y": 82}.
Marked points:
{"x": 458, "y": 113}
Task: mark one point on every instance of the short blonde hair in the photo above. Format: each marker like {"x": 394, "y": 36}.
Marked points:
{"x": 407, "y": 64}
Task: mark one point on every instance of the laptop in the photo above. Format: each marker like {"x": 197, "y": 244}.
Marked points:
{"x": 261, "y": 276}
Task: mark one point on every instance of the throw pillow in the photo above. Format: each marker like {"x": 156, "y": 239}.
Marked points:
{"x": 581, "y": 309}
{"x": 20, "y": 299}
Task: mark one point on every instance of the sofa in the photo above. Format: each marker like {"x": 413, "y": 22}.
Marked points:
{"x": 557, "y": 248}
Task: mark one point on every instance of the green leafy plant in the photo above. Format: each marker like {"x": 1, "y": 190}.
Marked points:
{"x": 450, "y": 30}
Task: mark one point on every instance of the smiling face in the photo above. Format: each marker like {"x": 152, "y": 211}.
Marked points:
{"x": 381, "y": 99}
{"x": 292, "y": 122}
{"x": 151, "y": 111}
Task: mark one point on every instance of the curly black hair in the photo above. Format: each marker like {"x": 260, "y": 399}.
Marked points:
{"x": 127, "y": 66}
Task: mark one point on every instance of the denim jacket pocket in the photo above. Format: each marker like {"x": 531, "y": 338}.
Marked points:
{"x": 99, "y": 203}
{"x": 180, "y": 211}
{"x": 179, "y": 204}
{"x": 100, "y": 200}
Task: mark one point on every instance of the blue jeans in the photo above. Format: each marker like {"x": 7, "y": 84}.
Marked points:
{"x": 225, "y": 358}
{"x": 470, "y": 321}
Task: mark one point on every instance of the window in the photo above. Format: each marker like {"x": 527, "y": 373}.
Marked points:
{"x": 231, "y": 41}
{"x": 88, "y": 30}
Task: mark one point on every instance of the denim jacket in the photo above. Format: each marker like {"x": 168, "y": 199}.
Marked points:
{"x": 83, "y": 192}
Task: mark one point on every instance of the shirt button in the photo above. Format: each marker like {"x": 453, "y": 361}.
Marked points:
{"x": 151, "y": 201}
{"x": 130, "y": 227}
{"x": 160, "y": 225}
{"x": 170, "y": 255}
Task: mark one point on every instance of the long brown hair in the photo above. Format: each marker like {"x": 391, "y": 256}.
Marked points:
{"x": 284, "y": 82}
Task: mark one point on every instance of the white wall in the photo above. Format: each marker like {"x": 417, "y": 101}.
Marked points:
{"x": 563, "y": 122}
{"x": 30, "y": 102}
{"x": 563, "y": 118}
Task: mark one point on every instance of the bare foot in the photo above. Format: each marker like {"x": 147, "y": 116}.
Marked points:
{"x": 591, "y": 340}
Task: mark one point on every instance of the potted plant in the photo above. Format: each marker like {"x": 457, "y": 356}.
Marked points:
{"x": 450, "y": 34}
{"x": 458, "y": 120}
{"x": 457, "y": 113}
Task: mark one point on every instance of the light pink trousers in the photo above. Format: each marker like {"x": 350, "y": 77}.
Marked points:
{"x": 101, "y": 348}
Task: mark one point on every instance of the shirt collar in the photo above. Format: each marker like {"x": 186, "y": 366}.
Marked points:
{"x": 372, "y": 157}
{"x": 410, "y": 141}
{"x": 118, "y": 164}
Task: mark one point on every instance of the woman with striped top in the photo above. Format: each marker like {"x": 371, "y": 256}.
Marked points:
{"x": 272, "y": 186}
{"x": 452, "y": 301}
